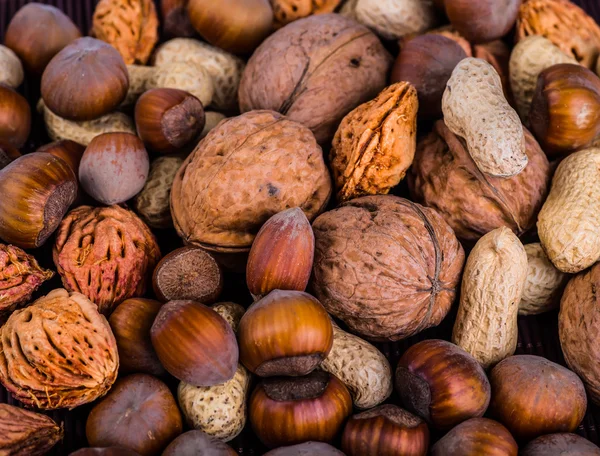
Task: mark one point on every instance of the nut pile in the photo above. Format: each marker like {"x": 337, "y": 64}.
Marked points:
{"x": 248, "y": 201}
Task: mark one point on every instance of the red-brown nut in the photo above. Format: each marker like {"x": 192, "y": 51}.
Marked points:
{"x": 68, "y": 150}
{"x": 306, "y": 449}
{"x": 562, "y": 444}
{"x": 15, "y": 117}
{"x": 175, "y": 19}
{"x": 106, "y": 451}
{"x": 8, "y": 154}
{"x": 476, "y": 437}
{"x": 484, "y": 20}
{"x": 198, "y": 443}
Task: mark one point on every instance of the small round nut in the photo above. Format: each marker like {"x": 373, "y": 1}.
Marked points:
{"x": 11, "y": 70}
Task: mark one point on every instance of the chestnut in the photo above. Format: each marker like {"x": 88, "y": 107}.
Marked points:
{"x": 114, "y": 167}
{"x": 194, "y": 343}
{"x": 565, "y": 111}
{"x": 532, "y": 396}
{"x": 306, "y": 449}
{"x": 15, "y": 117}
{"x": 130, "y": 323}
{"x": 193, "y": 443}
{"x": 285, "y": 333}
{"x": 476, "y": 437}
{"x": 139, "y": 413}
{"x": 562, "y": 444}
{"x": 84, "y": 81}
{"x": 108, "y": 451}
{"x": 386, "y": 430}
{"x": 188, "y": 273}
{"x": 37, "y": 190}
{"x": 7, "y": 154}
{"x": 168, "y": 120}
{"x": 287, "y": 410}
{"x": 37, "y": 32}
{"x": 68, "y": 150}
{"x": 442, "y": 383}
{"x": 281, "y": 256}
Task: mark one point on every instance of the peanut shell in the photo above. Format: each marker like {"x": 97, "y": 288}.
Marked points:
{"x": 11, "y": 69}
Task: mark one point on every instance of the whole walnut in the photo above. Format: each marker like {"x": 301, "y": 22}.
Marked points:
{"x": 445, "y": 177}
{"x": 105, "y": 253}
{"x": 247, "y": 169}
{"x": 385, "y": 266}
{"x": 58, "y": 353}
{"x": 315, "y": 70}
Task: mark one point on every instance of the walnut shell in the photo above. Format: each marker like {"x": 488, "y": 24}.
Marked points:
{"x": 385, "y": 266}
{"x": 25, "y": 433}
{"x": 286, "y": 11}
{"x": 58, "y": 353}
{"x": 445, "y": 178}
{"x": 106, "y": 253}
{"x": 247, "y": 169}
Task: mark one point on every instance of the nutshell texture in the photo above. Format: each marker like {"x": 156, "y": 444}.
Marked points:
{"x": 563, "y": 443}
{"x": 375, "y": 144}
{"x": 445, "y": 177}
{"x": 315, "y": 71}
{"x": 247, "y": 169}
{"x": 105, "y": 253}
{"x": 286, "y": 11}
{"x": 385, "y": 266}
{"x": 131, "y": 26}
{"x": 58, "y": 353}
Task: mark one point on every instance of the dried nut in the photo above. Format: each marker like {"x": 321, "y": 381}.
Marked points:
{"x": 231, "y": 312}
{"x": 176, "y": 21}
{"x": 37, "y": 190}
{"x": 107, "y": 451}
{"x": 20, "y": 276}
{"x": 361, "y": 271}
{"x": 450, "y": 32}
{"x": 497, "y": 54}
{"x": 281, "y": 256}
{"x": 198, "y": 443}
{"x": 492, "y": 285}
{"x": 561, "y": 444}
{"x": 306, "y": 449}
{"x": 106, "y": 253}
{"x": 207, "y": 213}
{"x": 375, "y": 144}
{"x": 25, "y": 433}
{"x": 568, "y": 222}
{"x": 442, "y": 383}
{"x": 153, "y": 203}
{"x": 565, "y": 24}
{"x": 323, "y": 67}
{"x": 445, "y": 177}
{"x": 286, "y": 11}
{"x": 58, "y": 353}
{"x": 11, "y": 70}
{"x": 68, "y": 150}
{"x": 529, "y": 58}
{"x": 188, "y": 273}
{"x": 287, "y": 410}
{"x": 15, "y": 117}
{"x": 476, "y": 437}
{"x": 225, "y": 69}
{"x": 532, "y": 396}
{"x": 212, "y": 120}
{"x": 386, "y": 429}
{"x": 139, "y": 413}
{"x": 482, "y": 21}
{"x": 7, "y": 155}
{"x": 544, "y": 284}
{"x": 475, "y": 109}
{"x": 84, "y": 81}
{"x": 129, "y": 26}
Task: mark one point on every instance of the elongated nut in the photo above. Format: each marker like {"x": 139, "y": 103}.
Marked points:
{"x": 25, "y": 433}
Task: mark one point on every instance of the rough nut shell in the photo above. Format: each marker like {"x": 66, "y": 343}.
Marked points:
{"x": 286, "y": 11}
{"x": 58, "y": 353}
{"x": 375, "y": 144}
{"x": 11, "y": 69}
{"x": 189, "y": 77}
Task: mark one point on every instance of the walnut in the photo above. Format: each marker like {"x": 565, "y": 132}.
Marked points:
{"x": 247, "y": 169}
{"x": 20, "y": 276}
{"x": 375, "y": 144}
{"x": 386, "y": 266}
{"x": 58, "y": 353}
{"x": 131, "y": 26}
{"x": 286, "y": 11}
{"x": 105, "y": 253}
{"x": 25, "y": 433}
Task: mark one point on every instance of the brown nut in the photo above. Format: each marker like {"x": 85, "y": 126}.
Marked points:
{"x": 68, "y": 150}
{"x": 176, "y": 22}
{"x": 8, "y": 154}
{"x": 484, "y": 20}
{"x": 197, "y": 443}
{"x": 139, "y": 413}
{"x": 475, "y": 437}
{"x": 107, "y": 451}
{"x": 562, "y": 444}
{"x": 306, "y": 449}
{"x": 286, "y": 11}
{"x": 15, "y": 117}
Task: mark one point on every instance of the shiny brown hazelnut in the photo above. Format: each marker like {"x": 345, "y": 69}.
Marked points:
{"x": 285, "y": 411}
{"x": 476, "y": 437}
{"x": 532, "y": 396}
{"x": 85, "y": 80}
{"x": 37, "y": 32}
{"x": 306, "y": 449}
{"x": 281, "y": 256}
{"x": 484, "y": 20}
{"x": 8, "y": 153}
{"x": 565, "y": 111}
{"x": 386, "y": 430}
{"x": 561, "y": 444}
{"x": 108, "y": 451}
{"x": 15, "y": 117}
{"x": 188, "y": 273}
{"x": 37, "y": 190}
{"x": 194, "y": 343}
{"x": 139, "y": 413}
{"x": 68, "y": 150}
{"x": 442, "y": 383}
{"x": 285, "y": 333}
{"x": 176, "y": 22}
{"x": 197, "y": 443}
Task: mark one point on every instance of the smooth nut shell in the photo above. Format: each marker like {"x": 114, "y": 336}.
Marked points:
{"x": 475, "y": 437}
{"x": 7, "y": 154}
{"x": 175, "y": 19}
{"x": 15, "y": 117}
{"x": 484, "y": 20}
{"x": 562, "y": 444}
{"x": 306, "y": 449}
{"x": 107, "y": 451}
{"x": 194, "y": 443}
{"x": 68, "y": 150}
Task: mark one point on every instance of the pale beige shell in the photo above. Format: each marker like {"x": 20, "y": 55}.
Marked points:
{"x": 212, "y": 120}
{"x": 348, "y": 9}
{"x": 224, "y": 68}
{"x": 492, "y": 285}
{"x": 544, "y": 282}
{"x": 192, "y": 78}
{"x": 529, "y": 58}
{"x": 475, "y": 109}
{"x": 364, "y": 370}
{"x": 231, "y": 312}
{"x": 569, "y": 222}
{"x": 138, "y": 75}
{"x": 11, "y": 69}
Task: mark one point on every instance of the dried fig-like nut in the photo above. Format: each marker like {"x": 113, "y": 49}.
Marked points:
{"x": 58, "y": 353}
{"x": 286, "y": 11}
{"x": 106, "y": 253}
{"x": 131, "y": 26}
{"x": 375, "y": 144}
{"x": 25, "y": 433}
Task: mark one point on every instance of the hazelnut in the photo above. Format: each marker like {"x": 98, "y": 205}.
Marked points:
{"x": 7, "y": 154}
{"x": 562, "y": 444}
{"x": 107, "y": 451}
{"x": 484, "y": 20}
{"x": 15, "y": 117}
{"x": 176, "y": 22}
{"x": 193, "y": 443}
{"x": 306, "y": 449}
{"x": 476, "y": 437}
{"x": 68, "y": 150}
